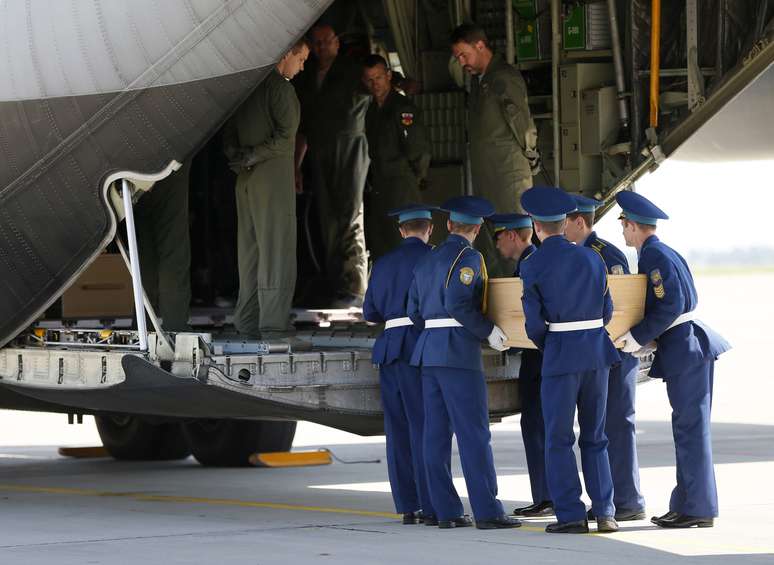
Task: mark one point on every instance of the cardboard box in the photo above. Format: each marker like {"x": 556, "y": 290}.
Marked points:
{"x": 505, "y": 309}
{"x": 104, "y": 290}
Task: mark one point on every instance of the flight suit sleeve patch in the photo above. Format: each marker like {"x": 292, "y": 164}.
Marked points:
{"x": 407, "y": 118}
{"x": 467, "y": 275}
{"x": 658, "y": 283}
{"x": 511, "y": 108}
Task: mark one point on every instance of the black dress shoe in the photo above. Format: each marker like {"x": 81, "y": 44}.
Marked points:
{"x": 410, "y": 518}
{"x": 420, "y": 516}
{"x": 606, "y": 525}
{"x": 545, "y": 508}
{"x": 459, "y": 522}
{"x": 685, "y": 521}
{"x": 629, "y": 515}
{"x": 431, "y": 520}
{"x": 665, "y": 517}
{"x": 577, "y": 527}
{"x": 622, "y": 515}
{"x": 499, "y": 523}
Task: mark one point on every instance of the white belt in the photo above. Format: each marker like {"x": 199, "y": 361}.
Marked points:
{"x": 573, "y": 326}
{"x": 442, "y": 323}
{"x": 681, "y": 319}
{"x": 398, "y": 323}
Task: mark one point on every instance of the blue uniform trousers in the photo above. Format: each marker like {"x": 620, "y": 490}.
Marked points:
{"x": 622, "y": 442}
{"x": 534, "y": 436}
{"x": 401, "y": 390}
{"x": 690, "y": 394}
{"x": 456, "y": 402}
{"x": 561, "y": 394}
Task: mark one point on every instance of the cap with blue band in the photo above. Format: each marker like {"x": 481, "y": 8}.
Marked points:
{"x": 585, "y": 205}
{"x": 637, "y": 208}
{"x": 510, "y": 221}
{"x": 413, "y": 212}
{"x": 468, "y": 209}
{"x": 548, "y": 203}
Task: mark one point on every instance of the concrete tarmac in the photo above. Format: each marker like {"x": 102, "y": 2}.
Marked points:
{"x": 60, "y": 510}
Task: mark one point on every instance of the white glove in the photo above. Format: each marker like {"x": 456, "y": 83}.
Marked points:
{"x": 497, "y": 339}
{"x": 630, "y": 344}
{"x": 645, "y": 350}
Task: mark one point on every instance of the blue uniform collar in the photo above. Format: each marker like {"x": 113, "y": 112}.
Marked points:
{"x": 554, "y": 240}
{"x": 455, "y": 238}
{"x": 590, "y": 239}
{"x": 411, "y": 239}
{"x": 527, "y": 252}
{"x": 652, "y": 239}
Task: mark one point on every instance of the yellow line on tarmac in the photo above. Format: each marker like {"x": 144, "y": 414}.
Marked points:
{"x": 193, "y": 500}
{"x": 209, "y": 501}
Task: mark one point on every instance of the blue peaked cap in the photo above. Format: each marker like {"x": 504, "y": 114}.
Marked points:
{"x": 585, "y": 205}
{"x": 468, "y": 209}
{"x": 547, "y": 203}
{"x": 510, "y": 221}
{"x": 637, "y": 208}
{"x": 413, "y": 212}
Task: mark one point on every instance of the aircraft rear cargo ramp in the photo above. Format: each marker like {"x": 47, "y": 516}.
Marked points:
{"x": 93, "y": 88}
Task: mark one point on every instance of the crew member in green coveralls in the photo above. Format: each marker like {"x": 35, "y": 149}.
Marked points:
{"x": 399, "y": 148}
{"x": 260, "y": 144}
{"x": 333, "y": 107}
{"x": 503, "y": 138}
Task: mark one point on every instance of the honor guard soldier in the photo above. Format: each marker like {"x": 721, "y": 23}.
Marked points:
{"x": 400, "y": 154}
{"x": 567, "y": 305}
{"x": 684, "y": 358}
{"x": 447, "y": 299}
{"x": 619, "y": 424}
{"x": 400, "y": 383}
{"x": 513, "y": 238}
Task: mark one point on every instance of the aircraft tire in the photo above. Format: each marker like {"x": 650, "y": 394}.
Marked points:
{"x": 131, "y": 438}
{"x": 229, "y": 443}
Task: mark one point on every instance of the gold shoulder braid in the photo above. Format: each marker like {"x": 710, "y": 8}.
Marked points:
{"x": 485, "y": 276}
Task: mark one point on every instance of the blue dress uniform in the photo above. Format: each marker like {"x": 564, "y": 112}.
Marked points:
{"x": 532, "y": 427}
{"x": 400, "y": 383}
{"x": 685, "y": 359}
{"x": 446, "y": 299}
{"x": 621, "y": 389}
{"x": 566, "y": 304}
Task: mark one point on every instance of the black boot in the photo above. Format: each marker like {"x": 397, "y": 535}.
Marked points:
{"x": 545, "y": 508}
{"x": 459, "y": 522}
{"x": 577, "y": 527}
{"x": 499, "y": 523}
{"x": 665, "y": 517}
{"x": 685, "y": 521}
{"x": 606, "y": 525}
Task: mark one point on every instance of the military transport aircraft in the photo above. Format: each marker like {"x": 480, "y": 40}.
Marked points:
{"x": 100, "y": 99}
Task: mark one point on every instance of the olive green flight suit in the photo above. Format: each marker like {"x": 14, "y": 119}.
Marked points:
{"x": 333, "y": 120}
{"x": 163, "y": 241}
{"x": 501, "y": 130}
{"x": 266, "y": 125}
{"x": 399, "y": 147}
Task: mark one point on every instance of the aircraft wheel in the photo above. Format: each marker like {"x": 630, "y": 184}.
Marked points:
{"x": 229, "y": 443}
{"x": 132, "y": 438}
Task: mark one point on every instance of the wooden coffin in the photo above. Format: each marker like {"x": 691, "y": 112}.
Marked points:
{"x": 504, "y": 306}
